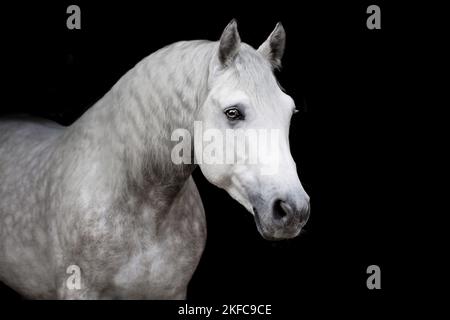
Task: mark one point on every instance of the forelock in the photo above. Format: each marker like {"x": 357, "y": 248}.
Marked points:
{"x": 252, "y": 69}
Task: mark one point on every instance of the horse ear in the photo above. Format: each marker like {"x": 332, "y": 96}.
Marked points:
{"x": 273, "y": 47}
{"x": 229, "y": 43}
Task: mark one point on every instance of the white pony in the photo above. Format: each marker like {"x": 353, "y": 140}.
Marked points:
{"x": 102, "y": 195}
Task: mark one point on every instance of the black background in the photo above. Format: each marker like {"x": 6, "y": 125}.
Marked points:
{"x": 344, "y": 78}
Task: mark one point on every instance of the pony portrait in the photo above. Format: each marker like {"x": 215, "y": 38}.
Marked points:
{"x": 105, "y": 195}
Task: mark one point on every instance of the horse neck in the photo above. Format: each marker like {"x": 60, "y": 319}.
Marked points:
{"x": 133, "y": 123}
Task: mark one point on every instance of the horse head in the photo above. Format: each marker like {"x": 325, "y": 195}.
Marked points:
{"x": 244, "y": 96}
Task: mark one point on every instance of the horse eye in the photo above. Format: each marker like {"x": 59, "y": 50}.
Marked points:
{"x": 233, "y": 114}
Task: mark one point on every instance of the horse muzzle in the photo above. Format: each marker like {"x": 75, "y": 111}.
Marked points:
{"x": 282, "y": 218}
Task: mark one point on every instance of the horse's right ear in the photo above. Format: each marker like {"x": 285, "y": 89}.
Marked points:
{"x": 229, "y": 43}
{"x": 273, "y": 47}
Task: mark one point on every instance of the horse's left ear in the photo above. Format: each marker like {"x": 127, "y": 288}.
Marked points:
{"x": 229, "y": 43}
{"x": 273, "y": 47}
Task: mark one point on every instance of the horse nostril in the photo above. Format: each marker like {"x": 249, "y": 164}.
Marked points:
{"x": 281, "y": 209}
